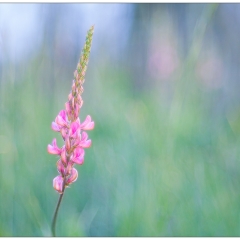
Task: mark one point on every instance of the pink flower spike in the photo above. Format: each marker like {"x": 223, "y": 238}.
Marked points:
{"x": 61, "y": 118}
{"x": 54, "y": 149}
{"x": 58, "y": 183}
{"x": 55, "y": 127}
{"x": 73, "y": 177}
{"x": 88, "y": 124}
{"x": 78, "y": 156}
{"x": 73, "y": 132}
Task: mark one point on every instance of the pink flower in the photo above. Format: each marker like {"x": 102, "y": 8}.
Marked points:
{"x": 61, "y": 123}
{"x": 73, "y": 177}
{"x": 67, "y": 122}
{"x": 84, "y": 142}
{"x": 78, "y": 156}
{"x": 88, "y": 124}
{"x": 58, "y": 183}
{"x": 62, "y": 119}
{"x": 54, "y": 149}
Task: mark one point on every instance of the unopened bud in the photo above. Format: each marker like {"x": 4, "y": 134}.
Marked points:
{"x": 58, "y": 183}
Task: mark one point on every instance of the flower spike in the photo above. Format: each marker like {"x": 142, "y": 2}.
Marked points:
{"x": 67, "y": 122}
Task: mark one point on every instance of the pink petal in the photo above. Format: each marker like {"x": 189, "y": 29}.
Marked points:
{"x": 54, "y": 149}
{"x": 55, "y": 127}
{"x": 86, "y": 144}
{"x": 58, "y": 183}
{"x": 78, "y": 121}
{"x": 73, "y": 177}
{"x": 74, "y": 130}
{"x": 78, "y": 156}
{"x": 61, "y": 118}
{"x": 84, "y": 136}
{"x": 62, "y": 113}
{"x": 83, "y": 142}
{"x": 88, "y": 124}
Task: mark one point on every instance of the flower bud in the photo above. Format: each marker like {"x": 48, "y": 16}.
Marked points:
{"x": 58, "y": 183}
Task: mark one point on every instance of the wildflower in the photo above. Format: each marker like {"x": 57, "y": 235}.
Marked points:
{"x": 68, "y": 123}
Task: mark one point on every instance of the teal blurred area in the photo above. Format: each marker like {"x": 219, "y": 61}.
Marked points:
{"x": 162, "y": 87}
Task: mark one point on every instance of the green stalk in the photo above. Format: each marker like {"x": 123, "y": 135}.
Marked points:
{"x": 56, "y": 212}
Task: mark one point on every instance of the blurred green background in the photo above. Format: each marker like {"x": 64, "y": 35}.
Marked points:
{"x": 163, "y": 89}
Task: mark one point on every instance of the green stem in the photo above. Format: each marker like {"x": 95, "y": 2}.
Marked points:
{"x": 56, "y": 211}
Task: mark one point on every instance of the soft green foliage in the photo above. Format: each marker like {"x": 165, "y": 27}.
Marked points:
{"x": 156, "y": 167}
{"x": 144, "y": 175}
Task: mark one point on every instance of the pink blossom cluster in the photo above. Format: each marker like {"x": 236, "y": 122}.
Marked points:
{"x": 75, "y": 139}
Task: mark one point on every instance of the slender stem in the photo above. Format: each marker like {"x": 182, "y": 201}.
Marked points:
{"x": 56, "y": 211}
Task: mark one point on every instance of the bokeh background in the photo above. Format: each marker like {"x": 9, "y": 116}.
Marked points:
{"x": 163, "y": 87}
